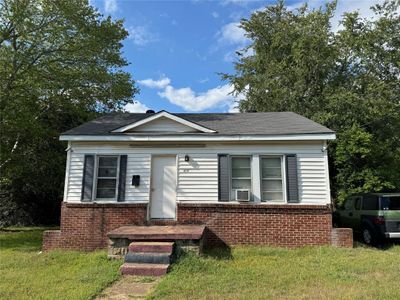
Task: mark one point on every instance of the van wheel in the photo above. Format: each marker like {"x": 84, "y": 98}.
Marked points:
{"x": 368, "y": 236}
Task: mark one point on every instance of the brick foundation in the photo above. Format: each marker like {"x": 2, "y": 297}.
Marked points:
{"x": 277, "y": 225}
{"x": 342, "y": 237}
{"x": 84, "y": 225}
{"x": 51, "y": 240}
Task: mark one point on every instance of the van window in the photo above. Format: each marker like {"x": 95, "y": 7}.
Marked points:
{"x": 370, "y": 202}
{"x": 357, "y": 204}
{"x": 349, "y": 204}
{"x": 390, "y": 203}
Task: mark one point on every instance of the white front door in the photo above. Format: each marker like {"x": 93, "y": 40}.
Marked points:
{"x": 163, "y": 187}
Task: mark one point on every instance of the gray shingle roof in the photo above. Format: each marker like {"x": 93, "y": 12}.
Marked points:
{"x": 268, "y": 123}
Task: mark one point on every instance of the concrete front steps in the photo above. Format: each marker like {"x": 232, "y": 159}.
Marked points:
{"x": 144, "y": 269}
{"x": 186, "y": 238}
{"x": 148, "y": 258}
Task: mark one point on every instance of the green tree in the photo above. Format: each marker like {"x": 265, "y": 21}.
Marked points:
{"x": 348, "y": 80}
{"x": 60, "y": 65}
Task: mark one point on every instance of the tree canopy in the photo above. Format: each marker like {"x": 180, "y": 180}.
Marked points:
{"x": 60, "y": 65}
{"x": 347, "y": 78}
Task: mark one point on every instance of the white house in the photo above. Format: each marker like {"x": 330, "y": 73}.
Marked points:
{"x": 268, "y": 171}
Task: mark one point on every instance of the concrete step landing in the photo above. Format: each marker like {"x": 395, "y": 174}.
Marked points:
{"x": 154, "y": 247}
{"x": 144, "y": 269}
{"x": 148, "y": 258}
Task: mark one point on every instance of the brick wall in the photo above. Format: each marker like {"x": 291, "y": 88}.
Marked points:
{"x": 278, "y": 225}
{"x": 342, "y": 237}
{"x": 85, "y": 226}
{"x": 51, "y": 240}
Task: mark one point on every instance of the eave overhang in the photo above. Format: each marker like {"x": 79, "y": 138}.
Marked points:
{"x": 197, "y": 138}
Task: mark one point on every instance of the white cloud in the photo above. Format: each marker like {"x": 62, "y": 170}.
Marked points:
{"x": 204, "y": 80}
{"x": 235, "y": 2}
{"x": 231, "y": 56}
{"x": 110, "y": 6}
{"x": 233, "y": 107}
{"x": 233, "y": 37}
{"x": 155, "y": 84}
{"x": 140, "y": 35}
{"x": 363, "y": 7}
{"x": 232, "y": 34}
{"x": 188, "y": 99}
{"x": 136, "y": 107}
{"x": 215, "y": 14}
{"x": 194, "y": 102}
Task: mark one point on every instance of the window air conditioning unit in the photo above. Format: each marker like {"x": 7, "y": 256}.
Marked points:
{"x": 242, "y": 195}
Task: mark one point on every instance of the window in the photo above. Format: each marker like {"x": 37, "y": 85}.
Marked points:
{"x": 240, "y": 174}
{"x": 107, "y": 177}
{"x": 370, "y": 202}
{"x": 353, "y": 203}
{"x": 349, "y": 204}
{"x": 391, "y": 202}
{"x": 271, "y": 179}
{"x": 357, "y": 204}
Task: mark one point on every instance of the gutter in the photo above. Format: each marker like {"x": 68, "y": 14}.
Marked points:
{"x": 194, "y": 137}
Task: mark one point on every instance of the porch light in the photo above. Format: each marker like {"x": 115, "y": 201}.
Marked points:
{"x": 187, "y": 158}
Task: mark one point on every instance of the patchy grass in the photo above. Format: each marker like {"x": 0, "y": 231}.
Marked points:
{"x": 272, "y": 273}
{"x": 243, "y": 273}
{"x": 28, "y": 274}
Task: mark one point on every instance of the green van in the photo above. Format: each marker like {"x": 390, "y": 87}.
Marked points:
{"x": 375, "y": 215}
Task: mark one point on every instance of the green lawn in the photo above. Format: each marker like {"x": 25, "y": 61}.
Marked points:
{"x": 244, "y": 273}
{"x": 25, "y": 273}
{"x": 271, "y": 273}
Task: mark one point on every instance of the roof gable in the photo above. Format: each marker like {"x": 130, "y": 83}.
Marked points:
{"x": 163, "y": 121}
{"x": 163, "y": 124}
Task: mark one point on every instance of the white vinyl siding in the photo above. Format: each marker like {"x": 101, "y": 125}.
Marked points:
{"x": 198, "y": 178}
{"x": 138, "y": 164}
{"x": 74, "y": 190}
{"x": 163, "y": 125}
{"x": 312, "y": 178}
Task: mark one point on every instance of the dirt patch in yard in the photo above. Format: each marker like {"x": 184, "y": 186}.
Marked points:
{"x": 130, "y": 287}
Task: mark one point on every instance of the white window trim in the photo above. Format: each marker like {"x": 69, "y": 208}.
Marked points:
{"x": 67, "y": 171}
{"x": 231, "y": 198}
{"x": 283, "y": 172}
{"x": 95, "y": 177}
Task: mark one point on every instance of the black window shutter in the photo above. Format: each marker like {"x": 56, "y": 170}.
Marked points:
{"x": 223, "y": 177}
{"x": 292, "y": 189}
{"x": 87, "y": 180}
{"x": 122, "y": 178}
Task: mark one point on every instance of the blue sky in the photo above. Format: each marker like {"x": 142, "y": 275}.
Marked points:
{"x": 177, "y": 48}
